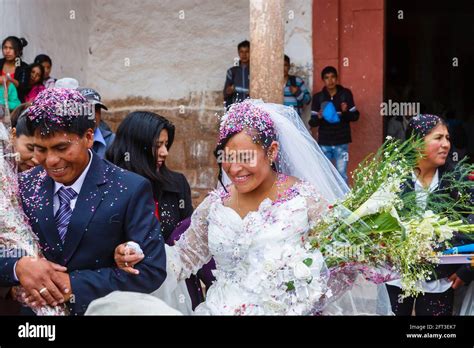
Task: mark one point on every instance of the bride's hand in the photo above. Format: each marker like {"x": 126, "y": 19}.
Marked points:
{"x": 126, "y": 258}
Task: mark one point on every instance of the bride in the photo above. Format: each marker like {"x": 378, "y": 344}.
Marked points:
{"x": 276, "y": 186}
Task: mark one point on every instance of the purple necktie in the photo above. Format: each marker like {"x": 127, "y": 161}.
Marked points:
{"x": 63, "y": 215}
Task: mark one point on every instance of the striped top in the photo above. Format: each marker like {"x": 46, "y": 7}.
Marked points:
{"x": 301, "y": 99}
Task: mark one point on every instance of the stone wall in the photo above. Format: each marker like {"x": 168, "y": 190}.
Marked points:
{"x": 196, "y": 124}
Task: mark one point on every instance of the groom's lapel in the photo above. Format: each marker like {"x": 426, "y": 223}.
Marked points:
{"x": 48, "y": 231}
{"x": 87, "y": 203}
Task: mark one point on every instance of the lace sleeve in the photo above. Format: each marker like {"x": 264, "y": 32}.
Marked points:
{"x": 191, "y": 251}
{"x": 317, "y": 205}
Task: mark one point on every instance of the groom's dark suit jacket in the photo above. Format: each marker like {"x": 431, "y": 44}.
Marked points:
{"x": 113, "y": 206}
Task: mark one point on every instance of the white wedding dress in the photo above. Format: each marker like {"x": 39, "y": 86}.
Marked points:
{"x": 264, "y": 263}
{"x": 256, "y": 257}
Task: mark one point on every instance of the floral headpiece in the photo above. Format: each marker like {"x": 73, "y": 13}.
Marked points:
{"x": 247, "y": 116}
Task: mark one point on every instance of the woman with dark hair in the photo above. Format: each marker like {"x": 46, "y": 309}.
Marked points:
{"x": 35, "y": 86}
{"x": 12, "y": 68}
{"x": 47, "y": 64}
{"x": 429, "y": 181}
{"x": 22, "y": 139}
{"x": 141, "y": 145}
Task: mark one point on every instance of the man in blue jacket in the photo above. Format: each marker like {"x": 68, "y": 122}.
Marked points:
{"x": 81, "y": 207}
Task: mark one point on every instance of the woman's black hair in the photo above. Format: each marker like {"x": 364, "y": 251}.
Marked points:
{"x": 21, "y": 128}
{"x": 42, "y": 58}
{"x": 18, "y": 120}
{"x": 17, "y": 43}
{"x": 262, "y": 138}
{"x": 422, "y": 125}
{"x": 39, "y": 66}
{"x": 134, "y": 147}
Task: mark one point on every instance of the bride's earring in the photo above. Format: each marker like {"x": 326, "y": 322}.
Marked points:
{"x": 270, "y": 155}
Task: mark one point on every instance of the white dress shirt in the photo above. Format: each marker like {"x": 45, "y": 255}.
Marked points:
{"x": 421, "y": 192}
{"x": 76, "y": 187}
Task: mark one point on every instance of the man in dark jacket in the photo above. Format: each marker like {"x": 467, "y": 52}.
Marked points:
{"x": 103, "y": 135}
{"x": 332, "y": 111}
{"x": 237, "y": 85}
{"x": 80, "y": 207}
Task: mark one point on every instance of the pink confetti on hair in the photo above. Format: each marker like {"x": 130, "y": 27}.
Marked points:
{"x": 246, "y": 115}
{"x": 58, "y": 105}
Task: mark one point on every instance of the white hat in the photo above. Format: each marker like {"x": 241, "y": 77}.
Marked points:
{"x": 129, "y": 303}
{"x": 67, "y": 82}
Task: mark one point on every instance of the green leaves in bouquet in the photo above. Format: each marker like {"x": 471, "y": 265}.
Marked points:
{"x": 456, "y": 199}
{"x": 381, "y": 220}
{"x": 393, "y": 159}
{"x": 385, "y": 222}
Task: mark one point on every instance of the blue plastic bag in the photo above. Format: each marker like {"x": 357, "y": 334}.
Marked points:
{"x": 330, "y": 113}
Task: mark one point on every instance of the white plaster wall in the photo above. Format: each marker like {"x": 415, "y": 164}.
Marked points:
{"x": 169, "y": 49}
{"x": 130, "y": 48}
{"x": 299, "y": 38}
{"x": 168, "y": 57}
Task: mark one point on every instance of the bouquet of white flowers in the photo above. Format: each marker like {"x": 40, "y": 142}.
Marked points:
{"x": 380, "y": 231}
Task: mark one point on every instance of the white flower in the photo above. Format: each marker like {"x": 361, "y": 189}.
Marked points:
{"x": 445, "y": 233}
{"x": 428, "y": 214}
{"x": 381, "y": 200}
{"x": 426, "y": 228}
{"x": 301, "y": 271}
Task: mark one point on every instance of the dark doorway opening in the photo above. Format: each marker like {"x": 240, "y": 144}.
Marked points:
{"x": 429, "y": 61}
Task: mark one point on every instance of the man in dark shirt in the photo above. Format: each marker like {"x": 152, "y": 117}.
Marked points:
{"x": 237, "y": 85}
{"x": 332, "y": 111}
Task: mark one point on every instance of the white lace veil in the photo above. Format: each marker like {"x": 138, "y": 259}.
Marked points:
{"x": 299, "y": 154}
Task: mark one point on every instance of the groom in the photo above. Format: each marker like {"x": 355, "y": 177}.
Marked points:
{"x": 81, "y": 207}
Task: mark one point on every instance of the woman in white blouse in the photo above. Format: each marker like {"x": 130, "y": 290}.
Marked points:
{"x": 429, "y": 184}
